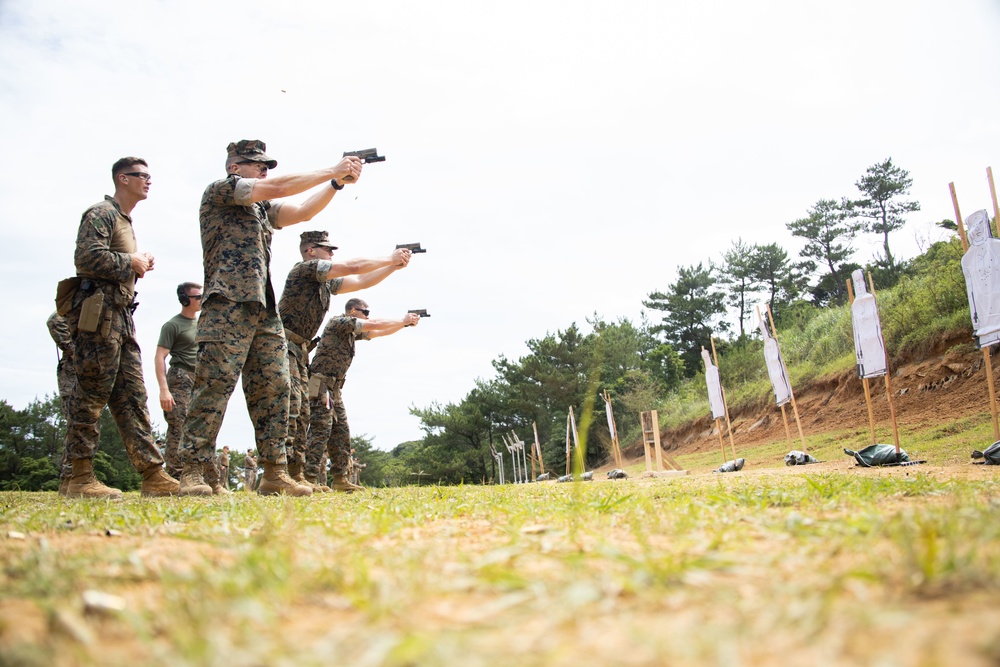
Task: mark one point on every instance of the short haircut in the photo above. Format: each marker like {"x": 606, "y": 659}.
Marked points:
{"x": 183, "y": 288}
{"x": 124, "y": 163}
{"x": 304, "y": 246}
{"x": 354, "y": 303}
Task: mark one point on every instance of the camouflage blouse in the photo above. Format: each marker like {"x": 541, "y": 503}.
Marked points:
{"x": 236, "y": 241}
{"x": 306, "y": 296}
{"x": 104, "y": 244}
{"x": 336, "y": 348}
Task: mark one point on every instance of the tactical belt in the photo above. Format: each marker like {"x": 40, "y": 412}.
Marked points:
{"x": 294, "y": 338}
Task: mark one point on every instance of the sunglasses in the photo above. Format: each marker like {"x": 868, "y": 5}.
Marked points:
{"x": 260, "y": 165}
{"x": 363, "y": 311}
{"x": 139, "y": 174}
{"x": 195, "y": 296}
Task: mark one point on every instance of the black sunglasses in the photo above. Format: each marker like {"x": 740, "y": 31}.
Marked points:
{"x": 139, "y": 174}
{"x": 363, "y": 311}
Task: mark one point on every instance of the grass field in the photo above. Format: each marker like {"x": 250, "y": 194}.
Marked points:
{"x": 816, "y": 565}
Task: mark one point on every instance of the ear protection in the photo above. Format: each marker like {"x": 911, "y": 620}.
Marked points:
{"x": 182, "y": 296}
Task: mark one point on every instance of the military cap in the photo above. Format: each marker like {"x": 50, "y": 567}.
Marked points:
{"x": 251, "y": 149}
{"x": 317, "y": 238}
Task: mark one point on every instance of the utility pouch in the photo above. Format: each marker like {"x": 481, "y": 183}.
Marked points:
{"x": 65, "y": 292}
{"x": 90, "y": 314}
{"x": 315, "y": 384}
{"x": 106, "y": 323}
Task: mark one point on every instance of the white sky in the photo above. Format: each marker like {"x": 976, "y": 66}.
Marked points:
{"x": 556, "y": 159}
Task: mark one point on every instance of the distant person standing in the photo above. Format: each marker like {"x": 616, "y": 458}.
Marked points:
{"x": 249, "y": 471}
{"x": 224, "y": 466}
{"x": 66, "y": 378}
{"x": 105, "y": 350}
{"x": 329, "y": 370}
{"x": 239, "y": 332}
{"x": 304, "y": 303}
{"x": 177, "y": 340}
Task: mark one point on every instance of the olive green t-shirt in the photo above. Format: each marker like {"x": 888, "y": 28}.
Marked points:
{"x": 177, "y": 335}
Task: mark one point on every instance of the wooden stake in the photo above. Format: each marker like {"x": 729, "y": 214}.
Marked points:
{"x": 784, "y": 419}
{"x": 864, "y": 381}
{"x": 569, "y": 464}
{"x": 987, "y": 362}
{"x": 888, "y": 382}
{"x": 722, "y": 443}
{"x": 538, "y": 448}
{"x": 576, "y": 439}
{"x": 993, "y": 194}
{"x": 791, "y": 392}
{"x": 725, "y": 403}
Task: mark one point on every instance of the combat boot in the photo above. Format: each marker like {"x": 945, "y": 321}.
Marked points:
{"x": 316, "y": 486}
{"x": 211, "y": 476}
{"x": 276, "y": 480}
{"x": 192, "y": 481}
{"x": 341, "y": 483}
{"x": 83, "y": 484}
{"x": 296, "y": 473}
{"x": 156, "y": 483}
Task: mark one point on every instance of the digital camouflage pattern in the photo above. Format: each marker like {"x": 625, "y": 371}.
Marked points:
{"x": 234, "y": 339}
{"x": 304, "y": 302}
{"x": 108, "y": 367}
{"x": 239, "y": 330}
{"x": 333, "y": 359}
{"x": 236, "y": 241}
{"x": 180, "y": 382}
{"x": 65, "y": 375}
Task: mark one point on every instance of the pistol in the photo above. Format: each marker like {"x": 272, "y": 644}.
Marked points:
{"x": 367, "y": 155}
{"x": 422, "y": 312}
{"x": 412, "y": 247}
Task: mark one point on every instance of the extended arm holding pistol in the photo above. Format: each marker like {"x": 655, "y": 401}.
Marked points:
{"x": 412, "y": 247}
{"x": 367, "y": 155}
{"x": 422, "y": 312}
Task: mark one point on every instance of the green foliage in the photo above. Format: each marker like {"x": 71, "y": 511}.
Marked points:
{"x": 691, "y": 304}
{"x": 829, "y": 232}
{"x": 881, "y": 206}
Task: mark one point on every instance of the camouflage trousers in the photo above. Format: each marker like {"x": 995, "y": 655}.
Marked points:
{"x": 250, "y": 478}
{"x": 238, "y": 338}
{"x": 180, "y": 382}
{"x": 329, "y": 431}
{"x": 66, "y": 376}
{"x": 298, "y": 404}
{"x": 109, "y": 372}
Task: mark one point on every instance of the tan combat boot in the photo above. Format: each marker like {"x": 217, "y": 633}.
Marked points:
{"x": 296, "y": 473}
{"x": 341, "y": 483}
{"x": 316, "y": 486}
{"x": 211, "y": 475}
{"x": 83, "y": 484}
{"x": 156, "y": 483}
{"x": 192, "y": 481}
{"x": 276, "y": 480}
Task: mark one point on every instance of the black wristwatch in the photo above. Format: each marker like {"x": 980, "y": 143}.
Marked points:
{"x": 336, "y": 186}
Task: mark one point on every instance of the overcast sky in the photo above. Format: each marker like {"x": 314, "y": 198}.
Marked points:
{"x": 557, "y": 159}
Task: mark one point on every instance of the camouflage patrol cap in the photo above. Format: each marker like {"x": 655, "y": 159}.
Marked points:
{"x": 321, "y": 239}
{"x": 251, "y": 149}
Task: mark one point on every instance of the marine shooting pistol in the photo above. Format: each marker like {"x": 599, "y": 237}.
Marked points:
{"x": 367, "y": 155}
{"x": 412, "y": 247}
{"x": 422, "y": 312}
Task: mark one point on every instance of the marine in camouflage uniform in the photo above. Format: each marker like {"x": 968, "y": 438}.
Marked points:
{"x": 66, "y": 376}
{"x": 177, "y": 340}
{"x": 106, "y": 359}
{"x": 249, "y": 471}
{"x": 329, "y": 370}
{"x": 239, "y": 331}
{"x": 303, "y": 305}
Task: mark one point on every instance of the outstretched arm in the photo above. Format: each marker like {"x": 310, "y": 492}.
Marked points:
{"x": 377, "y": 328}
{"x": 365, "y": 265}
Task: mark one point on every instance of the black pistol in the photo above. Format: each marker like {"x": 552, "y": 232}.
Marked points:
{"x": 367, "y": 155}
{"x": 422, "y": 312}
{"x": 412, "y": 247}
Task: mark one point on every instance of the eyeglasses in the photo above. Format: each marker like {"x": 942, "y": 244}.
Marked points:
{"x": 260, "y": 165}
{"x": 139, "y": 174}
{"x": 195, "y": 296}
{"x": 363, "y": 311}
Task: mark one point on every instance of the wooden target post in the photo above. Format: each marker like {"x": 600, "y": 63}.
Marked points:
{"x": 616, "y": 451}
{"x": 888, "y": 372}
{"x": 575, "y": 449}
{"x": 650, "y": 423}
{"x": 538, "y": 452}
{"x": 987, "y": 361}
{"x": 864, "y": 380}
{"x": 725, "y": 404}
{"x": 791, "y": 392}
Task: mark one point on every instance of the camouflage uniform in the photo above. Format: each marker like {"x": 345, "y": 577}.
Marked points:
{"x": 66, "y": 375}
{"x": 178, "y": 336}
{"x": 328, "y": 423}
{"x": 223, "y": 464}
{"x": 304, "y": 303}
{"x": 107, "y": 361}
{"x": 239, "y": 330}
{"x": 249, "y": 472}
